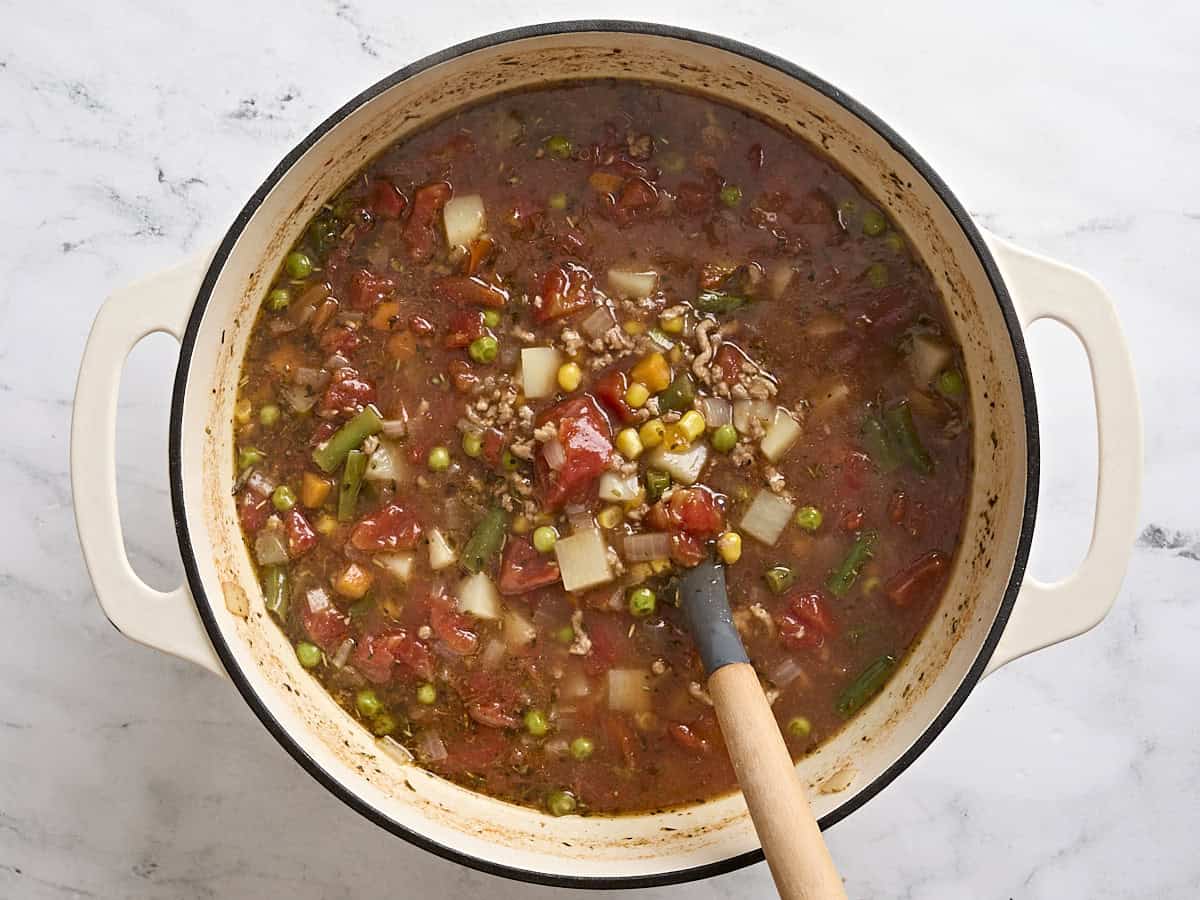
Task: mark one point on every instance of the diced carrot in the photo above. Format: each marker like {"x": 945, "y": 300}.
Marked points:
{"x": 653, "y": 371}
{"x": 605, "y": 182}
{"x": 385, "y": 315}
{"x": 353, "y": 582}
{"x": 402, "y": 345}
{"x": 314, "y": 490}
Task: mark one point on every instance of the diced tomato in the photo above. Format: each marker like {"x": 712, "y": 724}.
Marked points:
{"x": 391, "y": 528}
{"x": 524, "y": 569}
{"x": 412, "y": 653}
{"x": 565, "y": 289}
{"x": 622, "y": 736}
{"x": 921, "y": 574}
{"x": 897, "y": 507}
{"x": 373, "y": 657}
{"x": 323, "y": 432}
{"x": 347, "y": 394}
{"x": 730, "y": 359}
{"x": 694, "y": 198}
{"x": 637, "y": 193}
{"x": 607, "y": 639}
{"x": 697, "y": 512}
{"x": 420, "y": 326}
{"x": 586, "y": 438}
{"x": 473, "y": 290}
{"x": 327, "y": 626}
{"x": 452, "y": 626}
{"x": 610, "y": 390}
{"x": 419, "y": 230}
{"x": 461, "y": 375}
{"x": 685, "y": 737}
{"x": 300, "y": 535}
{"x": 856, "y": 467}
{"x": 493, "y": 445}
{"x": 253, "y": 510}
{"x": 339, "y": 339}
{"x": 366, "y": 289}
{"x": 473, "y": 752}
{"x": 851, "y": 520}
{"x": 687, "y": 550}
{"x": 493, "y": 715}
{"x": 385, "y": 199}
{"x": 464, "y": 326}
{"x": 806, "y": 621}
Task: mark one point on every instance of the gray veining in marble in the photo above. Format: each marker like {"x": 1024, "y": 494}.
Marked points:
{"x": 130, "y": 133}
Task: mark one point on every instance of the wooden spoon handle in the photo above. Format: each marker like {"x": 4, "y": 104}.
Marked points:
{"x": 795, "y": 851}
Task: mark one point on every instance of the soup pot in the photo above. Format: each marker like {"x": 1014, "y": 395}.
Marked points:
{"x": 990, "y": 614}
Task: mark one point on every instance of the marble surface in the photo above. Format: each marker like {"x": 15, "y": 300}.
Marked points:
{"x": 130, "y": 133}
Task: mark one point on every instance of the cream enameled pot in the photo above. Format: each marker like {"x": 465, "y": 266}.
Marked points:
{"x": 992, "y": 612}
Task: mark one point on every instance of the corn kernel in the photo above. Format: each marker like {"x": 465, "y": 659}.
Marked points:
{"x": 692, "y": 424}
{"x": 327, "y": 525}
{"x": 729, "y": 545}
{"x": 639, "y": 572}
{"x": 629, "y": 444}
{"x": 671, "y": 324}
{"x": 638, "y": 499}
{"x": 660, "y": 566}
{"x": 520, "y": 525}
{"x": 610, "y": 517}
{"x": 637, "y": 395}
{"x": 633, "y": 327}
{"x": 653, "y": 372}
{"x": 675, "y": 439}
{"x": 652, "y": 433}
{"x": 241, "y": 412}
{"x": 676, "y": 355}
{"x": 570, "y": 376}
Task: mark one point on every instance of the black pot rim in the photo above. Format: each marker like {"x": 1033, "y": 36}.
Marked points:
{"x": 293, "y": 747}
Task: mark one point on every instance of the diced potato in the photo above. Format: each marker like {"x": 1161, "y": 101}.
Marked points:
{"x": 781, "y": 436}
{"x": 928, "y": 357}
{"x": 353, "y": 582}
{"x": 441, "y": 554}
{"x": 629, "y": 690}
{"x": 518, "y": 630}
{"x": 398, "y": 565}
{"x": 829, "y": 398}
{"x": 464, "y": 219}
{"x": 684, "y": 466}
{"x": 479, "y": 597}
{"x": 767, "y": 516}
{"x": 746, "y": 412}
{"x": 539, "y": 371}
{"x": 583, "y": 560}
{"x": 630, "y": 285}
{"x": 619, "y": 488}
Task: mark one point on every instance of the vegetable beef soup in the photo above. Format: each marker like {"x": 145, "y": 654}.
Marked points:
{"x": 539, "y": 358}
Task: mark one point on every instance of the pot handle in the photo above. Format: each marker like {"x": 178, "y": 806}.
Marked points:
{"x": 166, "y": 621}
{"x": 1045, "y": 614}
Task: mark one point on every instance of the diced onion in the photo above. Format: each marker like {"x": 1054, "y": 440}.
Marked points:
{"x": 394, "y": 428}
{"x": 745, "y": 412}
{"x": 647, "y": 546}
{"x": 579, "y": 518}
{"x": 464, "y": 219}
{"x": 598, "y": 322}
{"x": 787, "y": 671}
{"x": 260, "y": 484}
{"x": 395, "y": 750}
{"x": 336, "y": 361}
{"x": 717, "y": 411}
{"x": 430, "y": 746}
{"x": 575, "y": 684}
{"x": 583, "y": 560}
{"x": 684, "y": 466}
{"x": 441, "y": 554}
{"x": 824, "y": 325}
{"x": 632, "y": 285}
{"x": 398, "y": 565}
{"x": 539, "y": 371}
{"x": 270, "y": 544}
{"x": 767, "y": 516}
{"x": 299, "y": 398}
{"x": 338, "y": 660}
{"x": 927, "y": 357}
{"x": 518, "y": 630}
{"x": 618, "y": 488}
{"x": 779, "y": 278}
{"x": 312, "y": 378}
{"x": 317, "y": 600}
{"x": 385, "y": 464}
{"x": 828, "y": 399}
{"x": 781, "y": 436}
{"x": 629, "y": 690}
{"x": 492, "y": 654}
{"x": 478, "y": 596}
{"x": 556, "y": 456}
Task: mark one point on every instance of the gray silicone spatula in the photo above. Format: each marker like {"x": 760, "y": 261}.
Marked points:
{"x": 796, "y": 853}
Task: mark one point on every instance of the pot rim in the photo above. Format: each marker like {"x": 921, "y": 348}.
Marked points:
{"x": 616, "y": 26}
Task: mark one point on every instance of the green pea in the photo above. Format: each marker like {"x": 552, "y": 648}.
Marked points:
{"x": 472, "y": 443}
{"x": 877, "y": 275}
{"x": 560, "y": 803}
{"x": 383, "y": 724}
{"x": 809, "y": 518}
{"x": 799, "y": 727}
{"x": 565, "y": 635}
{"x": 367, "y": 703}
{"x": 298, "y": 265}
{"x": 484, "y": 349}
{"x": 427, "y": 694}
{"x": 950, "y": 383}
{"x": 874, "y": 224}
{"x": 642, "y": 602}
{"x": 536, "y": 723}
{"x": 582, "y": 747}
{"x": 893, "y": 241}
{"x": 491, "y": 318}
{"x": 544, "y": 538}
{"x": 279, "y": 299}
{"x": 779, "y": 578}
{"x": 249, "y": 456}
{"x": 731, "y": 195}
{"x": 558, "y": 146}
{"x": 283, "y": 498}
{"x": 724, "y": 438}
{"x": 268, "y": 415}
{"x": 509, "y": 460}
{"x": 308, "y": 654}
{"x": 439, "y": 459}
{"x": 557, "y": 201}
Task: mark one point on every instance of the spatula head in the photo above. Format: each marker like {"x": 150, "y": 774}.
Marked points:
{"x": 706, "y": 606}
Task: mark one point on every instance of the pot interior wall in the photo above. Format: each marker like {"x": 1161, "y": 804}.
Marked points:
{"x": 486, "y": 829}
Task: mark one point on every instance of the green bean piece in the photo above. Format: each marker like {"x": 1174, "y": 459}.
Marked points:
{"x": 308, "y": 654}
{"x": 779, "y": 578}
{"x": 485, "y": 541}
{"x": 903, "y": 433}
{"x": 323, "y": 233}
{"x": 878, "y": 443}
{"x": 678, "y": 395}
{"x": 333, "y": 452}
{"x": 844, "y": 576}
{"x": 359, "y": 610}
{"x": 656, "y": 484}
{"x": 275, "y": 591}
{"x": 352, "y": 479}
{"x": 865, "y": 686}
{"x": 718, "y": 302}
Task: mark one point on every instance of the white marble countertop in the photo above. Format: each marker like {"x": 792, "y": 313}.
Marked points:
{"x": 130, "y": 134}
